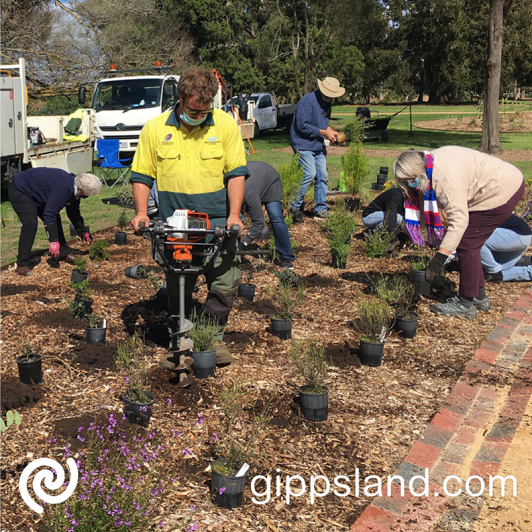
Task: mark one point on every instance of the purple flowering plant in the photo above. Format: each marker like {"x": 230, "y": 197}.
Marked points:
{"x": 121, "y": 483}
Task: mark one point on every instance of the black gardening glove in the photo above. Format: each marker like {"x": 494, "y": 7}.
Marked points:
{"x": 395, "y": 246}
{"x": 436, "y": 266}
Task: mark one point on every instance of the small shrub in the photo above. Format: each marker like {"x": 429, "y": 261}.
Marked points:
{"x": 238, "y": 407}
{"x": 272, "y": 248}
{"x": 339, "y": 228}
{"x": 78, "y": 310}
{"x": 420, "y": 262}
{"x": 130, "y": 359}
{"x": 286, "y": 300}
{"x": 376, "y": 240}
{"x": 203, "y": 333}
{"x": 355, "y": 129}
{"x": 309, "y": 357}
{"x": 291, "y": 176}
{"x": 287, "y": 277}
{"x": 80, "y": 264}
{"x": 355, "y": 168}
{"x": 392, "y": 289}
{"x": 373, "y": 319}
{"x": 82, "y": 290}
{"x": 99, "y": 251}
{"x": 122, "y": 219}
{"x": 126, "y": 194}
{"x": 93, "y": 320}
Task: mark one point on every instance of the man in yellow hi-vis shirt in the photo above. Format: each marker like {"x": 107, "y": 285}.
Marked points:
{"x": 196, "y": 155}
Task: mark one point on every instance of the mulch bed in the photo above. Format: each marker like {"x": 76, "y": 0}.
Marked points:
{"x": 375, "y": 414}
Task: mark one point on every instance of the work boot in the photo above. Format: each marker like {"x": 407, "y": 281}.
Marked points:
{"x": 287, "y": 264}
{"x": 493, "y": 277}
{"x": 454, "y": 307}
{"x": 297, "y": 215}
{"x": 223, "y": 356}
{"x": 23, "y": 270}
{"x": 69, "y": 259}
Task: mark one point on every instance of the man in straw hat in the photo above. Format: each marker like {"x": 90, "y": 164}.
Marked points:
{"x": 43, "y": 193}
{"x": 309, "y": 129}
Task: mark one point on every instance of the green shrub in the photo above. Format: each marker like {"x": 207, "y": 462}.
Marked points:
{"x": 122, "y": 219}
{"x": 126, "y": 194}
{"x": 82, "y": 290}
{"x": 376, "y": 240}
{"x": 396, "y": 290}
{"x": 420, "y": 262}
{"x": 373, "y": 319}
{"x": 355, "y": 168}
{"x": 355, "y": 129}
{"x": 286, "y": 300}
{"x": 80, "y": 264}
{"x": 287, "y": 277}
{"x": 78, "y": 310}
{"x": 339, "y": 228}
{"x": 99, "y": 251}
{"x": 130, "y": 359}
{"x": 93, "y": 320}
{"x": 309, "y": 357}
{"x": 291, "y": 176}
{"x": 203, "y": 333}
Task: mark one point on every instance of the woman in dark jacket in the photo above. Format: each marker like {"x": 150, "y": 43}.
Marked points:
{"x": 43, "y": 193}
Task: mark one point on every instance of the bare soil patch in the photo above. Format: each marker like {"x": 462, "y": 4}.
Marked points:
{"x": 375, "y": 414}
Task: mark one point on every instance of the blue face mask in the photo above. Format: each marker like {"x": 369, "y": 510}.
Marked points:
{"x": 192, "y": 121}
{"x": 415, "y": 184}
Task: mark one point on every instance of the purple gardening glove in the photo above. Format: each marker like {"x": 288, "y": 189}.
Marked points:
{"x": 86, "y": 237}
{"x": 53, "y": 249}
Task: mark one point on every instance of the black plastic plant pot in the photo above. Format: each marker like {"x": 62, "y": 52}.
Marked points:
{"x": 247, "y": 291}
{"x": 314, "y": 406}
{"x": 377, "y": 186}
{"x": 87, "y": 303}
{"x": 30, "y": 369}
{"x": 406, "y": 325}
{"x": 120, "y": 238}
{"x": 73, "y": 231}
{"x": 382, "y": 178}
{"x": 95, "y": 335}
{"x": 282, "y": 328}
{"x": 352, "y": 204}
{"x": 204, "y": 363}
{"x": 136, "y": 272}
{"x": 383, "y": 170}
{"x": 228, "y": 490}
{"x": 138, "y": 413}
{"x": 370, "y": 353}
{"x": 78, "y": 277}
{"x": 422, "y": 285}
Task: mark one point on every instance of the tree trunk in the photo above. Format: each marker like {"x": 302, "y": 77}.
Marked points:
{"x": 489, "y": 142}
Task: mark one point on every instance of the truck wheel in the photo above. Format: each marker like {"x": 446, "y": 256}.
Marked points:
{"x": 384, "y": 136}
{"x": 256, "y": 131}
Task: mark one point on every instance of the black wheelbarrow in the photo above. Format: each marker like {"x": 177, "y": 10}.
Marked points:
{"x": 375, "y": 127}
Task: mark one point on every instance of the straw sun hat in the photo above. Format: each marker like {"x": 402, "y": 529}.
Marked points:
{"x": 331, "y": 87}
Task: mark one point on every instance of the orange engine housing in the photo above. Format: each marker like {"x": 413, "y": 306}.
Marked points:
{"x": 183, "y": 250}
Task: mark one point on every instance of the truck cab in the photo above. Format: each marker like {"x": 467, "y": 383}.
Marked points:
{"x": 123, "y": 105}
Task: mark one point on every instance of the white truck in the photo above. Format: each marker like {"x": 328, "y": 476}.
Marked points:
{"x": 124, "y": 103}
{"x": 17, "y": 150}
{"x": 259, "y": 111}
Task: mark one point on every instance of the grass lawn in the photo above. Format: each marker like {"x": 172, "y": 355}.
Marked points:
{"x": 100, "y": 216}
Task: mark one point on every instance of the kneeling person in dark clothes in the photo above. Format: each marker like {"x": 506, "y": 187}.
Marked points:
{"x": 264, "y": 187}
{"x": 42, "y": 193}
{"x": 389, "y": 206}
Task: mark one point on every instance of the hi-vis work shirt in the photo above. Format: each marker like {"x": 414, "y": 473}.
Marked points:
{"x": 191, "y": 168}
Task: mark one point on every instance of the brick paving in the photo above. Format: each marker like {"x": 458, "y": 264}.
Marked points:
{"x": 469, "y": 436}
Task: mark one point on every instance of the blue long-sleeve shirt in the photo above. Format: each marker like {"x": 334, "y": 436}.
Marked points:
{"x": 53, "y": 189}
{"x": 312, "y": 114}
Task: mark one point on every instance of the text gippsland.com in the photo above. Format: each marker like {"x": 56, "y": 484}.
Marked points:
{"x": 289, "y": 487}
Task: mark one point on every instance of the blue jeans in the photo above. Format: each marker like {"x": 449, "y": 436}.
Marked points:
{"x": 502, "y": 251}
{"x": 314, "y": 167}
{"x": 377, "y": 218}
{"x": 280, "y": 231}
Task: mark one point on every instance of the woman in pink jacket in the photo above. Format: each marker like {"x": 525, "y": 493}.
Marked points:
{"x": 478, "y": 192}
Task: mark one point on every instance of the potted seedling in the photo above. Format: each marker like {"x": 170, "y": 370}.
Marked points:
{"x": 138, "y": 401}
{"x": 373, "y": 320}
{"x": 247, "y": 290}
{"x": 339, "y": 228}
{"x": 83, "y": 294}
{"x": 405, "y": 318}
{"x": 99, "y": 251}
{"x": 309, "y": 357}
{"x": 239, "y": 432}
{"x": 203, "y": 351}
{"x": 79, "y": 273}
{"x": 419, "y": 266}
{"x": 286, "y": 299}
{"x": 376, "y": 240}
{"x": 121, "y": 236}
{"x": 29, "y": 366}
{"x": 96, "y": 330}
{"x": 136, "y": 272}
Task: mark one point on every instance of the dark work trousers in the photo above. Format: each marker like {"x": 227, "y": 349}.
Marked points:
{"x": 28, "y": 212}
{"x": 481, "y": 226}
